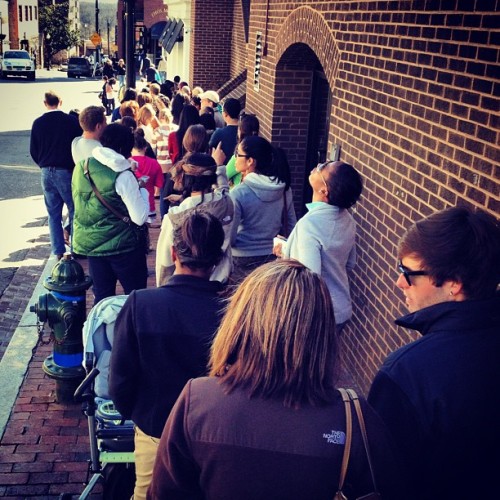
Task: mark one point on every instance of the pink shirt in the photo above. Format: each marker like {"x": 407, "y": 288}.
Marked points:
{"x": 150, "y": 167}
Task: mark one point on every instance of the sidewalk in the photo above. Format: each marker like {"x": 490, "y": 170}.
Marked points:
{"x": 44, "y": 447}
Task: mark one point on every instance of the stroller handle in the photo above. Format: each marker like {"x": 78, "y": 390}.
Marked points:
{"x": 87, "y": 381}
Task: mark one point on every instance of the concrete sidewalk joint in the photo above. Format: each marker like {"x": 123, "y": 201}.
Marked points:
{"x": 15, "y": 362}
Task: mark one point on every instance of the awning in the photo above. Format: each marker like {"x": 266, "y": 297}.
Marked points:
{"x": 157, "y": 29}
{"x": 172, "y": 33}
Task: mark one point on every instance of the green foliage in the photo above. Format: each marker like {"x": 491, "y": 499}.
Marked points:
{"x": 54, "y": 23}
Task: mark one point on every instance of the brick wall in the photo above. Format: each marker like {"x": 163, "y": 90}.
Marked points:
{"x": 212, "y": 35}
{"x": 415, "y": 102}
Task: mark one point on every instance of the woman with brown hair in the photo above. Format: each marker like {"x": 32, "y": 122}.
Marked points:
{"x": 195, "y": 141}
{"x": 268, "y": 422}
{"x": 113, "y": 246}
{"x": 189, "y": 116}
{"x": 129, "y": 108}
{"x": 196, "y": 179}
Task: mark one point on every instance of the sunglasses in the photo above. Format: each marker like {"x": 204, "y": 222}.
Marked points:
{"x": 407, "y": 273}
{"x": 319, "y": 168}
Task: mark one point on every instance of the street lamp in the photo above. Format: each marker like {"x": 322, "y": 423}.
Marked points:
{"x": 84, "y": 39}
{"x": 47, "y": 42}
{"x": 130, "y": 42}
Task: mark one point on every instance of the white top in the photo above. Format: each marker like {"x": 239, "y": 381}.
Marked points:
{"x": 82, "y": 148}
{"x": 324, "y": 241}
{"x": 136, "y": 199}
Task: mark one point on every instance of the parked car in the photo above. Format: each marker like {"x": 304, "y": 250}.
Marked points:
{"x": 79, "y": 66}
{"x": 18, "y": 63}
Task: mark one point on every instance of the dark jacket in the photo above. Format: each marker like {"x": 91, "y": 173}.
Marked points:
{"x": 51, "y": 138}
{"x": 438, "y": 395}
{"x": 230, "y": 446}
{"x": 228, "y": 136}
{"x": 162, "y": 339}
{"x": 107, "y": 70}
{"x": 152, "y": 75}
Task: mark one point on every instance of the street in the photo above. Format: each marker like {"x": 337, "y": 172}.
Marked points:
{"x": 23, "y": 223}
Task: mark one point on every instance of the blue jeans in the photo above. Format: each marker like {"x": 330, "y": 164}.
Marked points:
{"x": 56, "y": 185}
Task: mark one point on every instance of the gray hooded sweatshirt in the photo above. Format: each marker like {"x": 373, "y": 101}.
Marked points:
{"x": 258, "y": 215}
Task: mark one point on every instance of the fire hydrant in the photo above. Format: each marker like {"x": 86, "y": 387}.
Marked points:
{"x": 64, "y": 310}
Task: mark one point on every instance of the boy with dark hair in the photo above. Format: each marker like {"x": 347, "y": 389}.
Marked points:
{"x": 227, "y": 136}
{"x": 437, "y": 394}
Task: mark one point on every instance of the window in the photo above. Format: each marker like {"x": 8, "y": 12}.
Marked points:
{"x": 259, "y": 48}
{"x": 25, "y": 12}
{"x": 20, "y": 14}
{"x": 36, "y": 12}
{"x": 245, "y": 6}
{"x": 31, "y": 13}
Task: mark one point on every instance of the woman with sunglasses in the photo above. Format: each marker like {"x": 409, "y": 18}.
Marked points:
{"x": 248, "y": 125}
{"x": 324, "y": 239}
{"x": 262, "y": 205}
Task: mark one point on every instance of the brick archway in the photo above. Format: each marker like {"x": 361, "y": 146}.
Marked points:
{"x": 307, "y": 60}
{"x": 306, "y": 25}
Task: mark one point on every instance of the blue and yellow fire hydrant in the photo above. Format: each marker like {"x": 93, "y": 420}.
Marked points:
{"x": 63, "y": 308}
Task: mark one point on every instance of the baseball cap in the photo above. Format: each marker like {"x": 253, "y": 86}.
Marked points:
{"x": 210, "y": 95}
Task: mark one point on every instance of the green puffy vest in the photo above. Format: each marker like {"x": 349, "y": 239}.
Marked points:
{"x": 97, "y": 232}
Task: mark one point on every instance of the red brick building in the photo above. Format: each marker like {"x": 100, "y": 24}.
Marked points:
{"x": 409, "y": 93}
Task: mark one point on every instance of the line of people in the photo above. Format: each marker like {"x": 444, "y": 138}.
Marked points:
{"x": 268, "y": 421}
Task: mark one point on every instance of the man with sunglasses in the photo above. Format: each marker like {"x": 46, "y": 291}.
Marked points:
{"x": 438, "y": 394}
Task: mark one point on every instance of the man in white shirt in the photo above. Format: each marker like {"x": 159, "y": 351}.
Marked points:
{"x": 92, "y": 120}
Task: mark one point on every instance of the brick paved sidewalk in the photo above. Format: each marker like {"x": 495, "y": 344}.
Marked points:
{"x": 44, "y": 451}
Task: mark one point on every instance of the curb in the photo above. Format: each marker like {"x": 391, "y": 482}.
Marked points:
{"x": 16, "y": 359}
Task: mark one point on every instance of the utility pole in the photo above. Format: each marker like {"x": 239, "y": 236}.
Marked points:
{"x": 98, "y": 47}
{"x": 2, "y": 36}
{"x": 130, "y": 43}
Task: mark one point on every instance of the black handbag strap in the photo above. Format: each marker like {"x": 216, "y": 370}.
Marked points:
{"x": 124, "y": 218}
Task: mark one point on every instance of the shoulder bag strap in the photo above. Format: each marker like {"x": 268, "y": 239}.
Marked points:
{"x": 122, "y": 217}
{"x": 355, "y": 399}
{"x": 347, "y": 448}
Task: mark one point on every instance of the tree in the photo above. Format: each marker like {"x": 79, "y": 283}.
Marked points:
{"x": 54, "y": 23}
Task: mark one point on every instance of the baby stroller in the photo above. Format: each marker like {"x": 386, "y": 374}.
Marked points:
{"x": 111, "y": 436}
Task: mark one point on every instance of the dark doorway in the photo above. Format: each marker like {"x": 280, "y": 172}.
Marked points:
{"x": 301, "y": 116}
{"x": 319, "y": 125}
